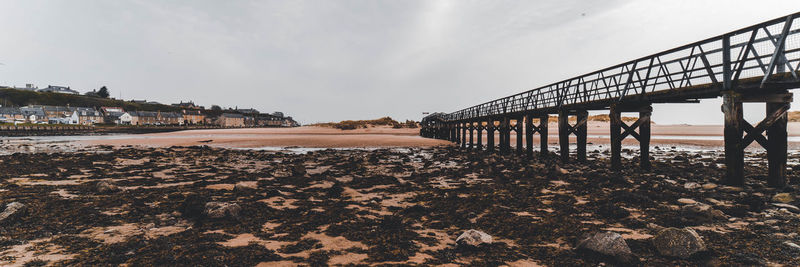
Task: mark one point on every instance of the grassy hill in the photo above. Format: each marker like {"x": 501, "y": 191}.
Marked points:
{"x": 13, "y": 97}
{"x": 351, "y": 125}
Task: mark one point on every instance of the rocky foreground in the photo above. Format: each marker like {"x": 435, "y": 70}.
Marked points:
{"x": 197, "y": 206}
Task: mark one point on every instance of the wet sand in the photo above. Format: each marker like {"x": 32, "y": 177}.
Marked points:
{"x": 322, "y": 137}
{"x": 319, "y": 137}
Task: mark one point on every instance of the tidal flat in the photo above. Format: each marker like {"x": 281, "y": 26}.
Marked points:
{"x": 200, "y": 205}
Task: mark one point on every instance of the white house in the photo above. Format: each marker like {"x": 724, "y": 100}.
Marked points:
{"x": 71, "y": 119}
{"x": 58, "y": 89}
{"x": 125, "y": 118}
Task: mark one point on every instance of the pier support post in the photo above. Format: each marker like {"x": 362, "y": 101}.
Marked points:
{"x": 644, "y": 137}
{"x": 563, "y": 134}
{"x": 458, "y": 134}
{"x": 450, "y": 132}
{"x": 777, "y": 145}
{"x": 734, "y": 151}
{"x": 480, "y": 135}
{"x": 775, "y": 141}
{"x": 505, "y": 134}
{"x": 620, "y": 130}
{"x": 565, "y": 130}
{"x": 490, "y": 135}
{"x": 518, "y": 128}
{"x": 529, "y": 135}
{"x": 544, "y": 120}
{"x": 580, "y": 130}
{"x": 471, "y": 130}
{"x": 463, "y": 135}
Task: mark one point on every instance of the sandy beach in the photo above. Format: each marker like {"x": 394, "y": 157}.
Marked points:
{"x": 322, "y": 137}
{"x": 309, "y": 136}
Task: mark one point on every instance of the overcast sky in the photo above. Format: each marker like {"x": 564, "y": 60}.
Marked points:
{"x": 335, "y": 60}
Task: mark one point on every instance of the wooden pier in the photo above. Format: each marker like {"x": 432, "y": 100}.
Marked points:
{"x": 756, "y": 64}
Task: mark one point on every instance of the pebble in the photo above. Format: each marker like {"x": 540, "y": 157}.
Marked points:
{"x": 709, "y": 186}
{"x": 787, "y": 207}
{"x": 691, "y": 185}
{"x": 686, "y": 201}
{"x": 222, "y": 209}
{"x": 11, "y": 208}
{"x": 783, "y": 198}
{"x": 792, "y": 245}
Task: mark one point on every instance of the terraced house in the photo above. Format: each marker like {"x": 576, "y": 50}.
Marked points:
{"x": 88, "y": 116}
{"x": 193, "y": 117}
{"x": 231, "y": 120}
{"x": 34, "y": 114}
{"x": 170, "y": 118}
{"x": 143, "y": 117}
{"x": 11, "y": 115}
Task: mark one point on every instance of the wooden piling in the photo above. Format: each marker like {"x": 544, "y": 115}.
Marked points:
{"x": 777, "y": 145}
{"x": 563, "y": 134}
{"x": 529, "y": 135}
{"x": 457, "y": 129}
{"x": 505, "y": 134}
{"x": 616, "y": 137}
{"x": 463, "y": 135}
{"x": 480, "y": 135}
{"x": 544, "y": 120}
{"x": 644, "y": 137}
{"x": 518, "y": 128}
{"x": 734, "y": 152}
{"x": 471, "y": 130}
{"x": 581, "y": 134}
{"x": 490, "y": 135}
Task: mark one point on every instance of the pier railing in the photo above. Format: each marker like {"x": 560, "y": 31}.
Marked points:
{"x": 702, "y": 68}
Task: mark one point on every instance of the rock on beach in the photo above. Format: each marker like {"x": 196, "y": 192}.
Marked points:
{"x": 609, "y": 244}
{"x": 473, "y": 238}
{"x": 680, "y": 243}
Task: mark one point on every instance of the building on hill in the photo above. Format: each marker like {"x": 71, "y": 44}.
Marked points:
{"x": 143, "y": 117}
{"x": 72, "y": 118}
{"x": 187, "y": 105}
{"x": 277, "y": 114}
{"x": 11, "y": 115}
{"x": 170, "y": 118}
{"x": 34, "y": 114}
{"x": 231, "y": 120}
{"x": 249, "y": 121}
{"x": 88, "y": 116}
{"x": 289, "y": 122}
{"x": 124, "y": 119}
{"x": 54, "y": 111}
{"x": 193, "y": 117}
{"x": 209, "y": 120}
{"x": 28, "y": 87}
{"x": 248, "y": 111}
{"x": 268, "y": 120}
{"x": 58, "y": 89}
{"x": 113, "y": 114}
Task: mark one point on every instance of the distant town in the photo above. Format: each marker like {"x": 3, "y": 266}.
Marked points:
{"x": 20, "y": 105}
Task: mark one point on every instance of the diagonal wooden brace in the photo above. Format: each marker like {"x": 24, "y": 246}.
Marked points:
{"x": 757, "y": 131}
